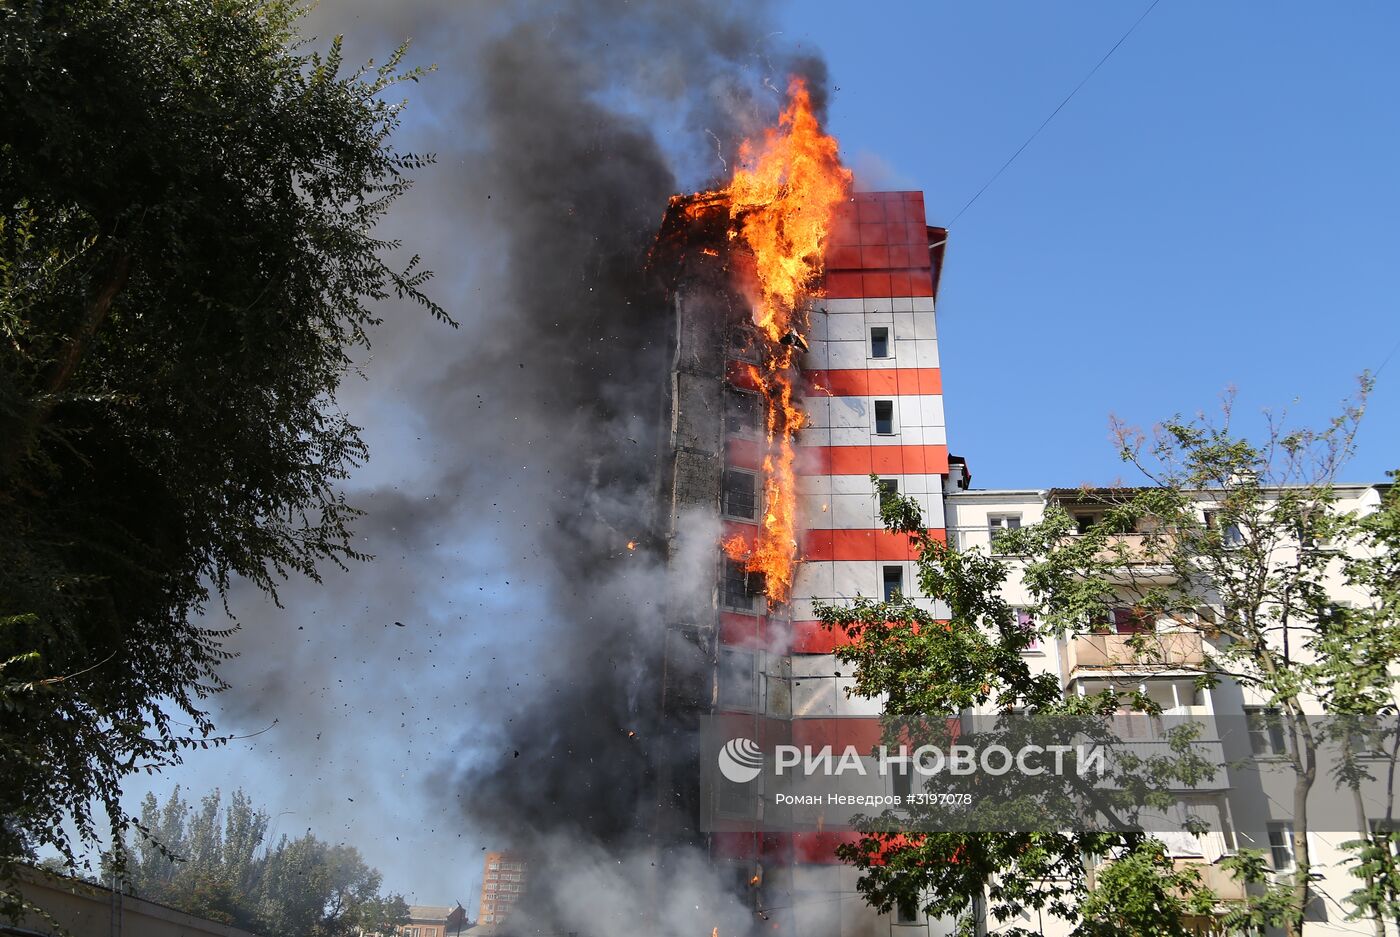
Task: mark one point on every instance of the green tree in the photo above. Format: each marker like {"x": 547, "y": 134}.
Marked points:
{"x": 926, "y": 671}
{"x": 1239, "y": 540}
{"x": 188, "y": 261}
{"x": 213, "y": 860}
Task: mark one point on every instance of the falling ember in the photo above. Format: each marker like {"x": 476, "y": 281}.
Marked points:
{"x": 631, "y": 544}
{"x": 781, "y": 202}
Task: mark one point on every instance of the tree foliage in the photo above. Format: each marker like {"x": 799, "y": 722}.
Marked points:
{"x": 1242, "y": 541}
{"x": 213, "y": 860}
{"x": 188, "y": 261}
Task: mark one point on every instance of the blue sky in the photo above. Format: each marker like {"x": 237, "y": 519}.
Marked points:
{"x": 1215, "y": 207}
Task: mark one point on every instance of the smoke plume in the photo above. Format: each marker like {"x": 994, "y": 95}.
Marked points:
{"x": 490, "y": 674}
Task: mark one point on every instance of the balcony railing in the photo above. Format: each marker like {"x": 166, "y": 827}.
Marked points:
{"x": 1226, "y": 888}
{"x": 1162, "y": 649}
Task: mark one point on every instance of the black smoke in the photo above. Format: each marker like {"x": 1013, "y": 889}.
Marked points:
{"x": 505, "y": 638}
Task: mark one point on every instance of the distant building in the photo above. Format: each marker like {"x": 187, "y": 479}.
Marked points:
{"x": 503, "y": 878}
{"x": 434, "y": 921}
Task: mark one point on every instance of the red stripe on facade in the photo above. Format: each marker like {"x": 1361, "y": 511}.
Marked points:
{"x": 848, "y": 284}
{"x": 809, "y": 637}
{"x": 871, "y": 459}
{"x": 824, "y": 546}
{"x": 901, "y": 382}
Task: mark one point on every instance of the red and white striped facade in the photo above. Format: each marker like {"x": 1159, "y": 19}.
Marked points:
{"x": 882, "y": 271}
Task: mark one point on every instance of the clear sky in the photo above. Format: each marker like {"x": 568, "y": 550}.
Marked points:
{"x": 1214, "y": 208}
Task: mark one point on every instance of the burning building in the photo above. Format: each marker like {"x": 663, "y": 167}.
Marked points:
{"x": 805, "y": 361}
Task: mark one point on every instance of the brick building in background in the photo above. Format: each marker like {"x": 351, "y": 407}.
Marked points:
{"x": 503, "y": 878}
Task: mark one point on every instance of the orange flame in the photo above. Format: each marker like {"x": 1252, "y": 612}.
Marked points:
{"x": 782, "y": 201}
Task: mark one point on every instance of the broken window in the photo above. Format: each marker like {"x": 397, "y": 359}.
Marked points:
{"x": 741, "y": 588}
{"x": 743, "y": 413}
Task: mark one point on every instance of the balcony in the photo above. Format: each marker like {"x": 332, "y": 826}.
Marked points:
{"x": 1226, "y": 887}
{"x": 1149, "y": 651}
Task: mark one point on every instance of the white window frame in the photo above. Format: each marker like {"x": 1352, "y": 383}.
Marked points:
{"x": 752, "y": 661}
{"x": 1289, "y": 845}
{"x": 757, "y": 495}
{"x": 1000, "y": 523}
{"x": 889, "y": 341}
{"x": 875, "y": 420}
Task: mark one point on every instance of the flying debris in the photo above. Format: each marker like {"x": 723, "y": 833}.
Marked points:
{"x": 794, "y": 340}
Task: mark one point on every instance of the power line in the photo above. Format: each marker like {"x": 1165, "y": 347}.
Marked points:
{"x": 1046, "y": 122}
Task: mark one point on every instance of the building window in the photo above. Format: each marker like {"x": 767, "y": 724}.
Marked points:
{"x": 903, "y": 780}
{"x": 740, "y": 494}
{"x": 1027, "y": 626}
{"x": 906, "y": 912}
{"x": 738, "y": 678}
{"x": 1230, "y": 533}
{"x": 1267, "y": 738}
{"x": 743, "y": 413}
{"x": 1082, "y": 522}
{"x": 1281, "y": 846}
{"x": 884, "y": 417}
{"x": 880, "y": 342}
{"x": 889, "y": 487}
{"x": 999, "y": 524}
{"x": 741, "y": 588}
{"x": 894, "y": 582}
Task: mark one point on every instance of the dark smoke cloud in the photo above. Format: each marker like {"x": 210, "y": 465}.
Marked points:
{"x": 484, "y": 671}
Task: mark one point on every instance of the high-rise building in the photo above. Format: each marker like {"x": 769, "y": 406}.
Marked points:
{"x": 873, "y": 398}
{"x": 871, "y": 392}
{"x": 503, "y": 879}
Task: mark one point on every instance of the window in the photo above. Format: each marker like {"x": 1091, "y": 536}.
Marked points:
{"x": 889, "y": 487}
{"x": 903, "y": 779}
{"x": 1281, "y": 846}
{"x": 738, "y": 678}
{"x": 1083, "y": 522}
{"x": 741, "y": 588}
{"x": 998, "y": 524}
{"x": 1230, "y": 533}
{"x": 894, "y": 582}
{"x": 1027, "y": 625}
{"x": 743, "y": 413}
{"x": 740, "y": 494}
{"x": 1267, "y": 738}
{"x": 880, "y": 342}
{"x": 906, "y": 912}
{"x": 884, "y": 417}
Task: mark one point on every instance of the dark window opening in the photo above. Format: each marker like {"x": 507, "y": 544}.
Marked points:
{"x": 884, "y": 417}
{"x": 889, "y": 487}
{"x": 741, "y": 588}
{"x": 740, "y": 494}
{"x": 894, "y": 582}
{"x": 880, "y": 343}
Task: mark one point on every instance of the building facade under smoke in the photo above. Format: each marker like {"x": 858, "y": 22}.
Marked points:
{"x": 871, "y": 394}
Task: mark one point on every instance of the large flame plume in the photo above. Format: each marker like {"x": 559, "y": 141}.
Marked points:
{"x": 781, "y": 200}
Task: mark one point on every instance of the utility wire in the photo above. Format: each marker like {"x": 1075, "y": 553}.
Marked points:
{"x": 1046, "y": 122}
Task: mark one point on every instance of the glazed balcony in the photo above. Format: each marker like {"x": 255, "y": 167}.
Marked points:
{"x": 1161, "y": 650}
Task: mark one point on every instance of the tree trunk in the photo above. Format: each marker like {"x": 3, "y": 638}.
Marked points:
{"x": 71, "y": 355}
